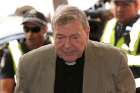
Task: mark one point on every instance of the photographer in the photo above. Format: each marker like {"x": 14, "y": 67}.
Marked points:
{"x": 98, "y": 15}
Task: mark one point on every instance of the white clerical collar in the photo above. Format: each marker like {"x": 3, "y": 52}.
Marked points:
{"x": 70, "y": 63}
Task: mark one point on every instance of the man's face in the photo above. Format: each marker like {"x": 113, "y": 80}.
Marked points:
{"x": 124, "y": 11}
{"x": 34, "y": 34}
{"x": 70, "y": 40}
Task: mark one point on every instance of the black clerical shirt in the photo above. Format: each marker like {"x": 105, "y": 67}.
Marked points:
{"x": 69, "y": 78}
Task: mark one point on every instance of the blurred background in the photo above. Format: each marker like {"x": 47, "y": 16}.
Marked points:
{"x": 11, "y": 11}
{"x": 8, "y": 7}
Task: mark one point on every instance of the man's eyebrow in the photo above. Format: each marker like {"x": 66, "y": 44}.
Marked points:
{"x": 59, "y": 34}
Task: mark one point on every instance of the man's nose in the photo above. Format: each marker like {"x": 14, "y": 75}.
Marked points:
{"x": 67, "y": 43}
{"x": 29, "y": 33}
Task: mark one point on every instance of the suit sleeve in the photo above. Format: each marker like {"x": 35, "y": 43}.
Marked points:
{"x": 124, "y": 80}
{"x": 20, "y": 78}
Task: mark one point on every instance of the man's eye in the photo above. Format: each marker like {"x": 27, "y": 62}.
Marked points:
{"x": 59, "y": 37}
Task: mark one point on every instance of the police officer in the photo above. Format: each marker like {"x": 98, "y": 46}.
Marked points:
{"x": 123, "y": 31}
{"x": 35, "y": 27}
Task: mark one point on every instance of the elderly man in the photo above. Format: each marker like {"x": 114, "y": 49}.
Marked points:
{"x": 74, "y": 64}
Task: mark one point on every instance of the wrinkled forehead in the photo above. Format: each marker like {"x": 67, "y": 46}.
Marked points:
{"x": 66, "y": 14}
{"x": 63, "y": 20}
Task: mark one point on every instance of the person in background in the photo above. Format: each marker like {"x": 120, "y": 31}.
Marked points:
{"x": 35, "y": 27}
{"x": 20, "y": 11}
{"x": 74, "y": 64}
{"x": 98, "y": 15}
{"x": 123, "y": 31}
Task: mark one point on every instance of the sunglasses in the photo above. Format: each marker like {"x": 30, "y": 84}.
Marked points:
{"x": 34, "y": 29}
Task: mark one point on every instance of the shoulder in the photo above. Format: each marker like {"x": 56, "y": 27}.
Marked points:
{"x": 38, "y": 55}
{"x": 106, "y": 51}
{"x": 40, "y": 51}
{"x": 107, "y": 56}
{"x": 103, "y": 46}
{"x": 35, "y": 60}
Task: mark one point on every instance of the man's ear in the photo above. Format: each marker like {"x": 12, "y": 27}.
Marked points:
{"x": 88, "y": 30}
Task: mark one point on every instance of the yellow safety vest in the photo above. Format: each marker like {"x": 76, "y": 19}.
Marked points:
{"x": 109, "y": 36}
{"x": 16, "y": 52}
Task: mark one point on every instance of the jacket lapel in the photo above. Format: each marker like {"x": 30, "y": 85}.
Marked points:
{"x": 90, "y": 81}
{"x": 49, "y": 72}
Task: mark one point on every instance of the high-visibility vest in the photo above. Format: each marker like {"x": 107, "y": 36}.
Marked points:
{"x": 16, "y": 52}
{"x": 109, "y": 36}
{"x": 135, "y": 37}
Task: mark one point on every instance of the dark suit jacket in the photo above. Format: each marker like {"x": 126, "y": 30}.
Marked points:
{"x": 105, "y": 71}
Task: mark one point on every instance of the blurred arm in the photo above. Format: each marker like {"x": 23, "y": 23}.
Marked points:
{"x": 7, "y": 85}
